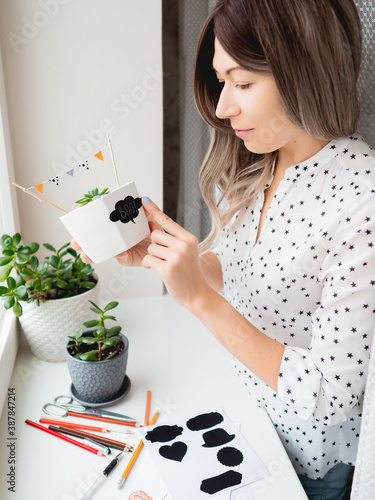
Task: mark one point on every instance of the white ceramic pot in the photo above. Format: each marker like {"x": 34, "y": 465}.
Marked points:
{"x": 47, "y": 327}
{"x": 109, "y": 225}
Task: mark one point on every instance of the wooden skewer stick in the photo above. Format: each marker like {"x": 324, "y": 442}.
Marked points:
{"x": 39, "y": 197}
{"x": 113, "y": 161}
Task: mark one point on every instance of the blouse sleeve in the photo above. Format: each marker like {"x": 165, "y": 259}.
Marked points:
{"x": 324, "y": 382}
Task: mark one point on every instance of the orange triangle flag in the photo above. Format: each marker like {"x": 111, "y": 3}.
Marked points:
{"x": 39, "y": 187}
{"x": 99, "y": 156}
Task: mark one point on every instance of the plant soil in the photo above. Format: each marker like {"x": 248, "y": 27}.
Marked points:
{"x": 113, "y": 349}
{"x": 62, "y": 293}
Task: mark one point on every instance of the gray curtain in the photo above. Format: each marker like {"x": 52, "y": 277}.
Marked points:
{"x": 366, "y": 9}
{"x": 364, "y": 476}
{"x": 186, "y": 136}
{"x": 194, "y": 135}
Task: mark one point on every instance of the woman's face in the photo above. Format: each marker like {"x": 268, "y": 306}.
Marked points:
{"x": 252, "y": 103}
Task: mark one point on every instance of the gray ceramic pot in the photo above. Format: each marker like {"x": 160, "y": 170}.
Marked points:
{"x": 98, "y": 381}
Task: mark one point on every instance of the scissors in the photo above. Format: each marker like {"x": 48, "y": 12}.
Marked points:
{"x": 62, "y": 406}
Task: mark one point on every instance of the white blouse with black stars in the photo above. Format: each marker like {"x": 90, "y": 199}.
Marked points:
{"x": 309, "y": 283}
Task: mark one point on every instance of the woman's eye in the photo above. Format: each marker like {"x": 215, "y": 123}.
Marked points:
{"x": 243, "y": 86}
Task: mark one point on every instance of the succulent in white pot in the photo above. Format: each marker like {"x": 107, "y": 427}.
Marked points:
{"x": 48, "y": 296}
{"x": 108, "y": 223}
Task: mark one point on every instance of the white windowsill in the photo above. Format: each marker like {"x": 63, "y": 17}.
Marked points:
{"x": 9, "y": 340}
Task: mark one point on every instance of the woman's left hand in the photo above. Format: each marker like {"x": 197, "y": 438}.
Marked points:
{"x": 173, "y": 253}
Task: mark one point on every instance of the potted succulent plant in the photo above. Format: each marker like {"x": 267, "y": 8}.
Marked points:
{"x": 108, "y": 223}
{"x": 97, "y": 359}
{"x": 92, "y": 195}
{"x": 49, "y": 296}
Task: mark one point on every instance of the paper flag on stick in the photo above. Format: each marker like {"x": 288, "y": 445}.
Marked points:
{"x": 72, "y": 171}
{"x": 39, "y": 187}
{"x": 85, "y": 165}
{"x": 113, "y": 160}
{"x": 55, "y": 180}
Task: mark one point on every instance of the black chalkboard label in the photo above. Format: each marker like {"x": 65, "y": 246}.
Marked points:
{"x": 126, "y": 210}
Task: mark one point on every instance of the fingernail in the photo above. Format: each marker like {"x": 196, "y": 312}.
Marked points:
{"x": 147, "y": 200}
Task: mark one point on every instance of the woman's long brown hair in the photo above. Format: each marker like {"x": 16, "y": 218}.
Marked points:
{"x": 312, "y": 48}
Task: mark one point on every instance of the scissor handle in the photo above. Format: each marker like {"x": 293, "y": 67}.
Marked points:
{"x": 63, "y": 412}
{"x": 63, "y": 404}
{"x": 68, "y": 403}
{"x": 63, "y": 400}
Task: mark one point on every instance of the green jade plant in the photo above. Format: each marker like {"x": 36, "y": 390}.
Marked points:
{"x": 92, "y": 196}
{"x": 108, "y": 343}
{"x": 61, "y": 274}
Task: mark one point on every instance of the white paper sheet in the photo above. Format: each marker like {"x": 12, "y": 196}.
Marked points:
{"x": 210, "y": 453}
{"x": 148, "y": 480}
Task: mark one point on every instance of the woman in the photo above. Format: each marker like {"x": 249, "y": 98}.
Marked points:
{"x": 288, "y": 288}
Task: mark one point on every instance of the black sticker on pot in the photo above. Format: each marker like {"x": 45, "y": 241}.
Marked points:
{"x": 204, "y": 421}
{"x": 216, "y": 437}
{"x": 126, "y": 210}
{"x": 175, "y": 451}
{"x": 163, "y": 433}
{"x": 230, "y": 456}
{"x": 220, "y": 482}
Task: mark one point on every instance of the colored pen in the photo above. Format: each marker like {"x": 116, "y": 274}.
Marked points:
{"x": 99, "y": 439}
{"x": 65, "y": 438}
{"x": 125, "y": 474}
{"x": 74, "y": 425}
{"x": 96, "y": 485}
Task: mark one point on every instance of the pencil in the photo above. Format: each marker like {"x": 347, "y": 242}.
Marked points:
{"x": 65, "y": 438}
{"x": 125, "y": 474}
{"x": 102, "y": 440}
{"x": 74, "y": 425}
{"x": 103, "y": 419}
{"x": 147, "y": 411}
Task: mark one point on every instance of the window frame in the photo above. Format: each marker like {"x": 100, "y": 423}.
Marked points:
{"x": 9, "y": 338}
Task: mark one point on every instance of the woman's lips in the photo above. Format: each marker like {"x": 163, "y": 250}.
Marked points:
{"x": 242, "y": 132}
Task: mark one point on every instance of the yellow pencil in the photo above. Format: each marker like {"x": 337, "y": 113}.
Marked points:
{"x": 125, "y": 474}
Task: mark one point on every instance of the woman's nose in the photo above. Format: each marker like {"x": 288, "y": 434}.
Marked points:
{"x": 226, "y": 107}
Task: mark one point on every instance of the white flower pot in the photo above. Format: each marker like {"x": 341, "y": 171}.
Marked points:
{"x": 109, "y": 225}
{"x": 47, "y": 326}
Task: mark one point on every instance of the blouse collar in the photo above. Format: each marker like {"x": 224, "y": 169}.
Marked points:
{"x": 325, "y": 155}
